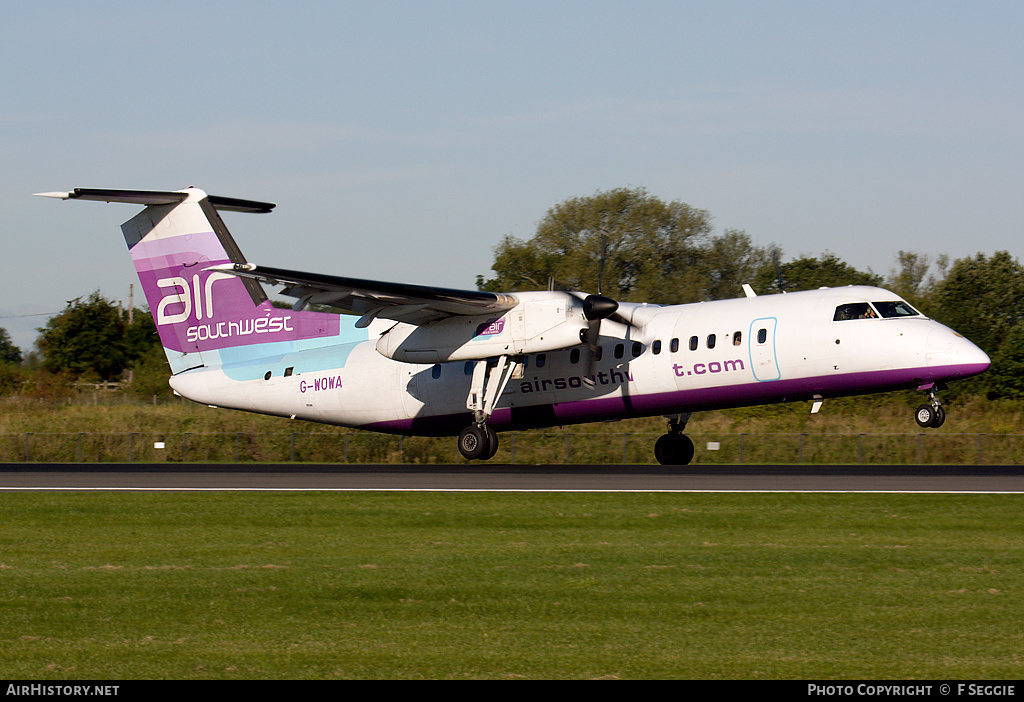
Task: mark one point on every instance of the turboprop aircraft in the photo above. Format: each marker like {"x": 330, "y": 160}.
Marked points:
{"x": 417, "y": 360}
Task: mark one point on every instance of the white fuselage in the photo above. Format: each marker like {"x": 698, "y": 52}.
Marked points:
{"x": 669, "y": 360}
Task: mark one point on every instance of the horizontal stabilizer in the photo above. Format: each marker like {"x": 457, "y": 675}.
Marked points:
{"x": 159, "y": 197}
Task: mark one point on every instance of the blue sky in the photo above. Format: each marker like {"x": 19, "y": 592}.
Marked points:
{"x": 402, "y": 140}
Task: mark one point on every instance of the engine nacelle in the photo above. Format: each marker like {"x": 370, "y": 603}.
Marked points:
{"x": 542, "y": 321}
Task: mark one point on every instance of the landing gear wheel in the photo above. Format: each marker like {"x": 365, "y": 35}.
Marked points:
{"x": 930, "y": 417}
{"x": 492, "y": 444}
{"x": 926, "y": 416}
{"x": 674, "y": 450}
{"x": 474, "y": 442}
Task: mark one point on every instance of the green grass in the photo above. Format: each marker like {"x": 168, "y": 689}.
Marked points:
{"x": 869, "y": 430}
{"x": 436, "y": 585}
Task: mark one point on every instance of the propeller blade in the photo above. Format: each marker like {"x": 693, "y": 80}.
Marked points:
{"x": 593, "y": 334}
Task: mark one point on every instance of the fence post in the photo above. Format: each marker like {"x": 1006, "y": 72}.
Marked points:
{"x": 512, "y": 448}
{"x": 625, "y": 448}
{"x": 79, "y": 447}
{"x": 741, "y": 448}
{"x": 979, "y": 448}
{"x": 184, "y": 447}
{"x": 28, "y": 436}
{"x": 568, "y": 448}
{"x": 291, "y": 454}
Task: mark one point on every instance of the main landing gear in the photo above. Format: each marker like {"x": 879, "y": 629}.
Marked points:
{"x": 478, "y": 441}
{"x": 674, "y": 448}
{"x": 931, "y": 415}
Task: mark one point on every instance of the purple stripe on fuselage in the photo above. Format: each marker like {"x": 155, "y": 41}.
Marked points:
{"x": 682, "y": 401}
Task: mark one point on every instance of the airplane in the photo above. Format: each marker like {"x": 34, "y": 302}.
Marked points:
{"x": 418, "y": 360}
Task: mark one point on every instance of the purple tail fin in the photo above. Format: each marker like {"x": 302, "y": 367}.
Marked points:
{"x": 198, "y": 312}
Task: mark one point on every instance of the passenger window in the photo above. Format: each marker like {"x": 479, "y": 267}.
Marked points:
{"x": 435, "y": 372}
{"x": 711, "y": 341}
{"x": 620, "y": 350}
{"x": 674, "y": 346}
{"x": 598, "y": 353}
{"x": 542, "y": 358}
{"x": 638, "y": 349}
{"x": 656, "y": 347}
{"x": 693, "y": 343}
{"x": 468, "y": 368}
{"x": 854, "y": 310}
{"x": 762, "y": 336}
{"x": 737, "y": 339}
{"x": 574, "y": 356}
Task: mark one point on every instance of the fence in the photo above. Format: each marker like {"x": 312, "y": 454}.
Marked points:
{"x": 516, "y": 448}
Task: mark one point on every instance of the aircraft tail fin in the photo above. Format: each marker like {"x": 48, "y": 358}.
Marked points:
{"x": 200, "y": 313}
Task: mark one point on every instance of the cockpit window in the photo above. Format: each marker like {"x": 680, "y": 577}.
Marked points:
{"x": 874, "y": 310}
{"x": 854, "y": 310}
{"x": 897, "y": 308}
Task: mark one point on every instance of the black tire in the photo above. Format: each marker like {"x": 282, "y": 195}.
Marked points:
{"x": 492, "y": 445}
{"x": 925, "y": 416}
{"x": 940, "y": 417}
{"x": 474, "y": 443}
{"x": 674, "y": 450}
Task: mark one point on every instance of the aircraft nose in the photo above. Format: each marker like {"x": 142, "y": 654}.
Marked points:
{"x": 971, "y": 357}
{"x": 954, "y": 354}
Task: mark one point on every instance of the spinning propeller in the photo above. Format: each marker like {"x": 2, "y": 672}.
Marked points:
{"x": 595, "y": 308}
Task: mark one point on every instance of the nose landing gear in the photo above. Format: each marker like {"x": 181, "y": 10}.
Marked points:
{"x": 931, "y": 415}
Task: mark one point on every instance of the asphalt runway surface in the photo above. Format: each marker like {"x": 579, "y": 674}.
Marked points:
{"x": 486, "y": 477}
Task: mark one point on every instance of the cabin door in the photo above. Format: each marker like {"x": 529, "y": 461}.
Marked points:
{"x": 763, "y": 360}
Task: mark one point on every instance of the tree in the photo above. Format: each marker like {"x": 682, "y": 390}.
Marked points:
{"x": 9, "y": 353}
{"x": 729, "y": 261}
{"x": 1006, "y": 376}
{"x": 982, "y": 298}
{"x": 92, "y": 338}
{"x": 520, "y": 266}
{"x": 906, "y": 279}
{"x": 909, "y": 278}
{"x": 624, "y": 243}
{"x": 11, "y": 371}
{"x": 809, "y": 273}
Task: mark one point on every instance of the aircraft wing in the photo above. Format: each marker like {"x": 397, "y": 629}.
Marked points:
{"x": 412, "y": 304}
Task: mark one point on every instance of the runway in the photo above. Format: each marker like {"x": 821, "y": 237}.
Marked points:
{"x": 503, "y": 478}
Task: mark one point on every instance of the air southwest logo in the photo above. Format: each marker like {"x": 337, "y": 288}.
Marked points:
{"x": 491, "y": 328}
{"x": 243, "y": 327}
{"x": 197, "y": 297}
